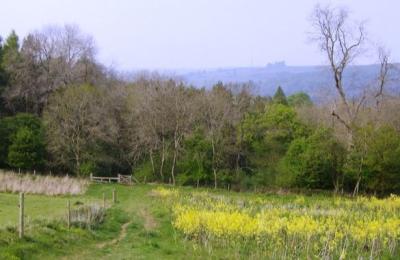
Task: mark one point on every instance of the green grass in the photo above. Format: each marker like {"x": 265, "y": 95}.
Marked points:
{"x": 36, "y": 207}
{"x": 48, "y": 238}
{"x": 149, "y": 235}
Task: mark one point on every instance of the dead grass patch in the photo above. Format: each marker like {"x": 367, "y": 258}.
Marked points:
{"x": 39, "y": 184}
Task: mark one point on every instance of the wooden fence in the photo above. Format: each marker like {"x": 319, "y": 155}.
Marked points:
{"x": 21, "y": 206}
{"x": 123, "y": 179}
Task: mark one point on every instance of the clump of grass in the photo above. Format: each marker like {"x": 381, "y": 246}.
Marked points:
{"x": 88, "y": 216}
{"x": 38, "y": 184}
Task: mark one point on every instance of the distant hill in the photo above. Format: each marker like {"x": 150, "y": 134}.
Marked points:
{"x": 315, "y": 80}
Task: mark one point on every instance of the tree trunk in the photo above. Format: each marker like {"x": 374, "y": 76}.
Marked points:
{"x": 356, "y": 188}
{"x": 162, "y": 159}
{"x": 173, "y": 168}
{"x": 152, "y": 161}
{"x": 336, "y": 185}
{"x": 78, "y": 164}
{"x": 237, "y": 165}
{"x": 215, "y": 179}
{"x": 213, "y": 163}
{"x": 176, "y": 144}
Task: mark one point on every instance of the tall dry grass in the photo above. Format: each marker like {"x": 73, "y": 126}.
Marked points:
{"x": 88, "y": 216}
{"x": 40, "y": 184}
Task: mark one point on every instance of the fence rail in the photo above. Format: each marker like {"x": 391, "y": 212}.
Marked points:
{"x": 124, "y": 179}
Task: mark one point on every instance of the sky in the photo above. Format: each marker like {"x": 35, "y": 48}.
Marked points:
{"x": 200, "y": 34}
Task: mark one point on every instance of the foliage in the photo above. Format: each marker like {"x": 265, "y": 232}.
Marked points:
{"x": 315, "y": 161}
{"x": 299, "y": 99}
{"x": 26, "y": 150}
{"x": 374, "y": 159}
{"x": 268, "y": 136}
{"x": 21, "y": 141}
{"x": 3, "y": 77}
{"x": 196, "y": 161}
{"x": 74, "y": 127}
{"x": 280, "y": 97}
{"x": 162, "y": 130}
{"x": 86, "y": 168}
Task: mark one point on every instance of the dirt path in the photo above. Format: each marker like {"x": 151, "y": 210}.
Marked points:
{"x": 122, "y": 235}
{"x": 149, "y": 223}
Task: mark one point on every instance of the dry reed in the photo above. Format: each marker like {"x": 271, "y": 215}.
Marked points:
{"x": 41, "y": 184}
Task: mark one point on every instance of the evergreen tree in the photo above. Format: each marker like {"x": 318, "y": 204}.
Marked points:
{"x": 299, "y": 99}
{"x": 9, "y": 57}
{"x": 280, "y": 97}
{"x": 3, "y": 78}
{"x": 9, "y": 127}
{"x": 26, "y": 150}
{"x": 11, "y": 44}
{"x": 10, "y": 52}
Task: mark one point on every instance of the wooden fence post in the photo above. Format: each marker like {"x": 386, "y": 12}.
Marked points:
{"x": 114, "y": 196}
{"x": 89, "y": 218}
{"x": 69, "y": 214}
{"x": 91, "y": 176}
{"x": 21, "y": 215}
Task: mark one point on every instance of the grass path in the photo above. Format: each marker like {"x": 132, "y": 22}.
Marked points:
{"x": 147, "y": 232}
{"x": 137, "y": 227}
{"x": 120, "y": 237}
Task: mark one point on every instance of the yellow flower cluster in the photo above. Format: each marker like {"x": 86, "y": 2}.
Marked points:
{"x": 164, "y": 193}
{"x": 237, "y": 224}
{"x": 322, "y": 227}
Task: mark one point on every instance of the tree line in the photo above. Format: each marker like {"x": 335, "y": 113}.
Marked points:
{"x": 63, "y": 111}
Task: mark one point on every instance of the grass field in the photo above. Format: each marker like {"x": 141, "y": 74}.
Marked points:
{"x": 147, "y": 234}
{"x": 148, "y": 222}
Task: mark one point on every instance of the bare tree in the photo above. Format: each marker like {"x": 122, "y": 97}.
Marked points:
{"x": 342, "y": 44}
{"x": 52, "y": 58}
{"x": 343, "y": 41}
{"x": 75, "y": 123}
{"x": 218, "y": 111}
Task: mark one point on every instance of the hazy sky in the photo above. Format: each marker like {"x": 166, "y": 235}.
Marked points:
{"x": 171, "y": 34}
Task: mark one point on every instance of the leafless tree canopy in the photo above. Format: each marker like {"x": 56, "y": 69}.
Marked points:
{"x": 343, "y": 41}
{"x": 52, "y": 58}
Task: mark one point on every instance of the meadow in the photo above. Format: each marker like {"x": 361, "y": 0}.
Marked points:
{"x": 288, "y": 226}
{"x": 159, "y": 221}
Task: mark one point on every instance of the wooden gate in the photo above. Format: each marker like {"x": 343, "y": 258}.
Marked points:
{"x": 123, "y": 179}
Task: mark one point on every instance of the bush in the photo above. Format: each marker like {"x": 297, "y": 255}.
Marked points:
{"x": 87, "y": 168}
{"x": 144, "y": 173}
{"x": 26, "y": 150}
{"x": 374, "y": 159}
{"x": 22, "y": 135}
{"x": 316, "y": 161}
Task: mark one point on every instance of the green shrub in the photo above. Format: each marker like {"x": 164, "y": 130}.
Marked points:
{"x": 26, "y": 150}
{"x": 316, "y": 161}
